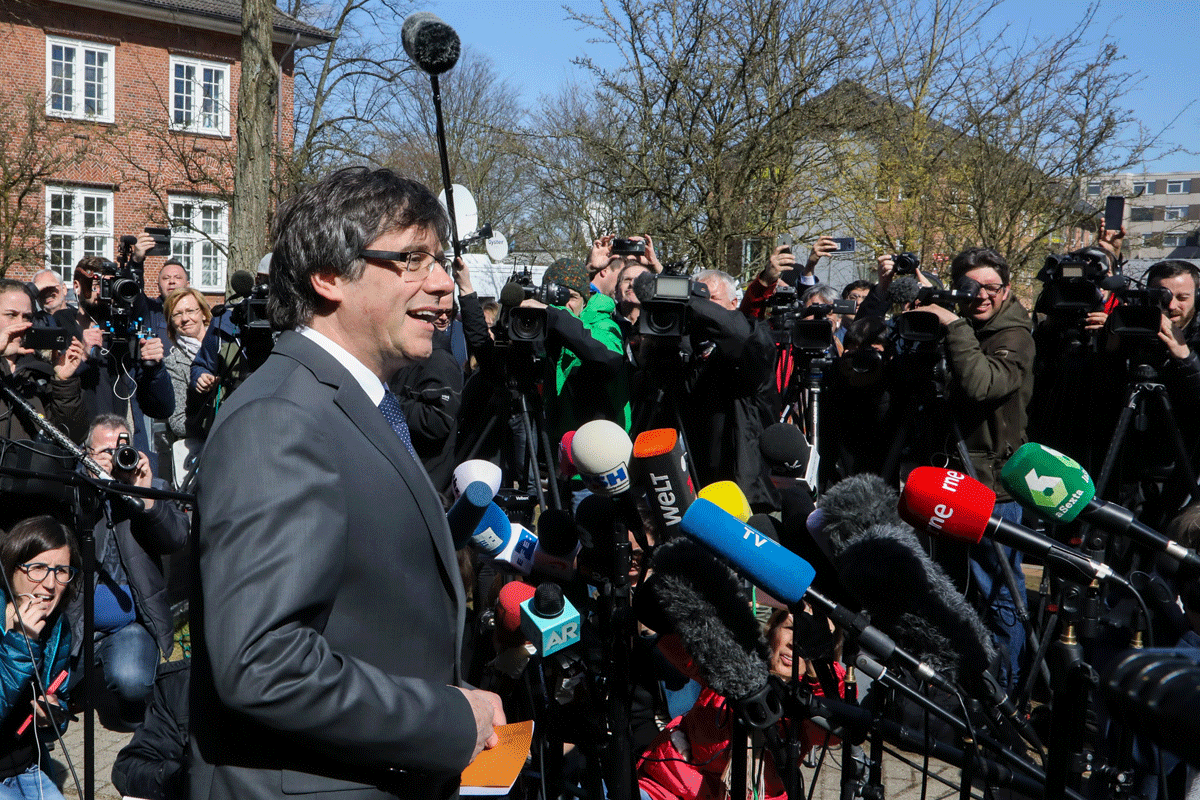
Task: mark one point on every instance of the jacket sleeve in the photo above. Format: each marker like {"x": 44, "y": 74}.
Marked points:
{"x": 66, "y": 408}
{"x": 597, "y": 319}
{"x": 743, "y": 345}
{"x": 155, "y": 396}
{"x": 16, "y": 668}
{"x": 163, "y": 528}
{"x": 431, "y": 397}
{"x": 577, "y": 337}
{"x": 754, "y": 300}
{"x": 152, "y": 765}
{"x": 984, "y": 377}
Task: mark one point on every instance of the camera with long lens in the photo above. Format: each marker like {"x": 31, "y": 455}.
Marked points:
{"x": 965, "y": 294}
{"x": 119, "y": 288}
{"x": 1139, "y": 315}
{"x": 665, "y": 313}
{"x": 809, "y": 330}
{"x": 1071, "y": 283}
{"x": 518, "y": 325}
{"x": 906, "y": 264}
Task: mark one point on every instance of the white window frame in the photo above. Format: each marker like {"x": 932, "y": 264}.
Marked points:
{"x": 1094, "y": 189}
{"x": 1173, "y": 240}
{"x": 1174, "y": 213}
{"x": 214, "y": 121}
{"x": 1174, "y": 187}
{"x": 1140, "y": 188}
{"x": 202, "y": 242}
{"x": 78, "y": 87}
{"x": 94, "y": 206}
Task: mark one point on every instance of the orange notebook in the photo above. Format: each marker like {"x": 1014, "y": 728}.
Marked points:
{"x": 495, "y": 771}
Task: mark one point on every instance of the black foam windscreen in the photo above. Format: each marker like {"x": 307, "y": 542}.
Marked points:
{"x": 785, "y": 449}
{"x": 512, "y": 294}
{"x": 430, "y": 43}
{"x": 903, "y": 290}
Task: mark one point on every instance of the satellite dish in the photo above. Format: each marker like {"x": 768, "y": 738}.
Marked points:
{"x": 497, "y": 246}
{"x": 466, "y": 213}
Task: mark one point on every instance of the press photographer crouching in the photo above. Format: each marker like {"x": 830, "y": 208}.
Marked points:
{"x": 123, "y": 373}
{"x": 133, "y": 620}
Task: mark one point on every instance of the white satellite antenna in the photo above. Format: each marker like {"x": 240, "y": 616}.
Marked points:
{"x": 497, "y": 246}
{"x": 466, "y": 213}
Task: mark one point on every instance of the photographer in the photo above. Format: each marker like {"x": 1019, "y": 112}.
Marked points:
{"x": 131, "y": 382}
{"x": 782, "y": 265}
{"x": 133, "y": 621}
{"x": 51, "y": 389}
{"x": 990, "y": 351}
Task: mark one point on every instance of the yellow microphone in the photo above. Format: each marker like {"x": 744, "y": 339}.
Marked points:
{"x": 729, "y": 497}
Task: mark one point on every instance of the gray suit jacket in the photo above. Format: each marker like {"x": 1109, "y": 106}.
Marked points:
{"x": 327, "y": 628}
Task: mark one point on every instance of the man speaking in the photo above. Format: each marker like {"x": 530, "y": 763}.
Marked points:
{"x": 330, "y": 613}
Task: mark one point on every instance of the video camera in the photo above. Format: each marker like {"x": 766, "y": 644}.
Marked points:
{"x": 1072, "y": 283}
{"x": 664, "y": 313}
{"x": 549, "y": 293}
{"x": 808, "y": 330}
{"x": 1139, "y": 315}
{"x": 120, "y": 287}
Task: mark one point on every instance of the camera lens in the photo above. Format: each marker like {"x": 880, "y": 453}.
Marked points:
{"x": 125, "y": 458}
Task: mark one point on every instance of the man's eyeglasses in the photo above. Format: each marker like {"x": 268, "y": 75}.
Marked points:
{"x": 991, "y": 289}
{"x": 417, "y": 263}
{"x": 37, "y": 572}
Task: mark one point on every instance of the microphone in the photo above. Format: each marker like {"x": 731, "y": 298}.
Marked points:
{"x": 512, "y": 294}
{"x": 430, "y": 43}
{"x": 242, "y": 284}
{"x": 601, "y": 450}
{"x": 514, "y": 652}
{"x": 956, "y": 505}
{"x": 787, "y": 577}
{"x": 549, "y": 620}
{"x": 476, "y": 469}
{"x": 729, "y": 496}
{"x": 660, "y": 465}
{"x": 558, "y": 545}
{"x": 517, "y": 553}
{"x": 504, "y": 541}
{"x": 849, "y": 508}
{"x": 1059, "y": 489}
{"x": 566, "y": 467}
{"x": 464, "y": 516}
{"x": 785, "y": 450}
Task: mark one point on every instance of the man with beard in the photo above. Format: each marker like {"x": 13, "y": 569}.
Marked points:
{"x": 112, "y": 382}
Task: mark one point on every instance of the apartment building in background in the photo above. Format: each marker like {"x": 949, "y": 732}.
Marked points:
{"x": 1162, "y": 212}
{"x": 145, "y": 91}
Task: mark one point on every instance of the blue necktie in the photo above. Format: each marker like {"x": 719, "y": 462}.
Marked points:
{"x": 394, "y": 414}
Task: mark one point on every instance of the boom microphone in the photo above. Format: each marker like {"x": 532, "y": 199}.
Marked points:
{"x": 430, "y": 43}
{"x": 1059, "y": 489}
{"x": 956, "y": 505}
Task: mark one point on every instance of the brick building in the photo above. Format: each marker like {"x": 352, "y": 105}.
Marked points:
{"x": 141, "y": 95}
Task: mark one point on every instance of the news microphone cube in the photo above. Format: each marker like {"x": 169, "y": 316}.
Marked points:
{"x": 519, "y": 549}
{"x": 549, "y": 620}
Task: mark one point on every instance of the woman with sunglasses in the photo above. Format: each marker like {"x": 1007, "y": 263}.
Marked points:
{"x": 40, "y": 562}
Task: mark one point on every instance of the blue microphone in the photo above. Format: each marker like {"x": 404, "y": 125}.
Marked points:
{"x": 783, "y": 574}
{"x": 549, "y": 620}
{"x": 493, "y": 531}
{"x": 518, "y": 551}
{"x": 464, "y": 516}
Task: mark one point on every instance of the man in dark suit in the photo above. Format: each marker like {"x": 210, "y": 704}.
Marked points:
{"x": 326, "y": 635}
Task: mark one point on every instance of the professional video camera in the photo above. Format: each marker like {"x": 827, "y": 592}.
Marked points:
{"x": 1139, "y": 315}
{"x": 665, "y": 312}
{"x": 549, "y": 292}
{"x": 1072, "y": 283}
{"x": 122, "y": 302}
{"x": 808, "y": 330}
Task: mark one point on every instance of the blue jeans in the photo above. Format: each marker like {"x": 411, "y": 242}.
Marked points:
{"x": 1000, "y": 612}
{"x": 128, "y": 659}
{"x": 26, "y": 786}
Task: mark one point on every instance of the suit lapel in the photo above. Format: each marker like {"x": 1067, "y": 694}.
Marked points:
{"x": 369, "y": 420}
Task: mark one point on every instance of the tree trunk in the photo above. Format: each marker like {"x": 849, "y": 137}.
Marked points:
{"x": 256, "y": 113}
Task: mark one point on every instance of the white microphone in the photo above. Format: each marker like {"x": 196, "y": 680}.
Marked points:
{"x": 476, "y": 469}
{"x": 601, "y": 451}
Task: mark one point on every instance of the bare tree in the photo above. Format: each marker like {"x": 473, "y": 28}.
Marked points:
{"x": 33, "y": 150}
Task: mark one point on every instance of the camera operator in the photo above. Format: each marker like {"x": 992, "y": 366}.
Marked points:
{"x": 133, "y": 621}
{"x": 52, "y": 389}
{"x": 782, "y": 265}
{"x": 117, "y": 382}
{"x": 730, "y": 395}
{"x": 172, "y": 276}
{"x": 990, "y": 351}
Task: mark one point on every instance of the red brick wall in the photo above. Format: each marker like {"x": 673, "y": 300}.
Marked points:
{"x": 142, "y": 91}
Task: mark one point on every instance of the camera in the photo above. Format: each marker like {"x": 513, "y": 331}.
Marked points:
{"x": 628, "y": 247}
{"x": 124, "y": 457}
{"x": 906, "y": 264}
{"x": 162, "y": 241}
{"x": 1139, "y": 316}
{"x": 664, "y": 314}
{"x": 119, "y": 285}
{"x": 808, "y": 330}
{"x": 1071, "y": 283}
{"x": 549, "y": 293}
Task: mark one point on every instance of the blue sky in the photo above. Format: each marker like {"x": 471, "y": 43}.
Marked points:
{"x": 532, "y": 43}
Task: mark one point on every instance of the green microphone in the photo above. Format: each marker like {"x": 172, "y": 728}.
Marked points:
{"x": 1052, "y": 485}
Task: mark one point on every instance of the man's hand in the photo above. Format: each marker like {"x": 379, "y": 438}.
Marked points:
{"x": 945, "y": 315}
{"x": 1111, "y": 240}
{"x": 462, "y": 278}
{"x": 92, "y": 337}
{"x": 150, "y": 349}
{"x": 67, "y": 361}
{"x": 1172, "y": 337}
{"x": 531, "y": 303}
{"x": 601, "y": 253}
{"x": 489, "y": 713}
{"x": 14, "y": 330}
{"x": 205, "y": 382}
{"x": 824, "y": 246}
{"x": 885, "y": 268}
{"x": 145, "y": 242}
{"x": 649, "y": 260}
{"x": 782, "y": 260}
{"x": 1095, "y": 320}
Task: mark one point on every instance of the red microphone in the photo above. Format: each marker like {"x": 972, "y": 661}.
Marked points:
{"x": 566, "y": 464}
{"x": 508, "y": 611}
{"x": 956, "y": 505}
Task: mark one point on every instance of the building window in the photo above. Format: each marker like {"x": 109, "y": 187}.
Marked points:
{"x": 1141, "y": 214}
{"x": 1175, "y": 187}
{"x": 200, "y": 239}
{"x": 1174, "y": 240}
{"x": 199, "y": 96}
{"x": 78, "y": 224}
{"x": 1093, "y": 189}
{"x": 1174, "y": 213}
{"x": 1142, "y": 187}
{"x": 79, "y": 79}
